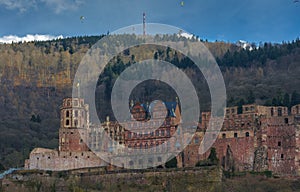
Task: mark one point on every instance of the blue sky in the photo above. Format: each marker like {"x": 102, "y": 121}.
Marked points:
{"x": 228, "y": 20}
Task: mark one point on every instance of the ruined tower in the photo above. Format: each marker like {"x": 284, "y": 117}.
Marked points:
{"x": 74, "y": 125}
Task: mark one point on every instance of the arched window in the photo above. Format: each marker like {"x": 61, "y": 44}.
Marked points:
{"x": 223, "y": 135}
{"x": 67, "y": 114}
{"x": 247, "y": 134}
{"x": 67, "y": 122}
{"x": 272, "y": 112}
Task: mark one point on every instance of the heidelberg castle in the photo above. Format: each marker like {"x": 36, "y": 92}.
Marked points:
{"x": 254, "y": 138}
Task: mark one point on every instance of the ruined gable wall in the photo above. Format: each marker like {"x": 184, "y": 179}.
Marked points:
{"x": 279, "y": 136}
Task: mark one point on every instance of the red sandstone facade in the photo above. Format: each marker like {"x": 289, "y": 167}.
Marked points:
{"x": 259, "y": 138}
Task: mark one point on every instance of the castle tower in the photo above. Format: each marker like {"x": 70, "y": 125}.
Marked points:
{"x": 74, "y": 125}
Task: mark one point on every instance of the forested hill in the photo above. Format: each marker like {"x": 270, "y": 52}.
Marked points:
{"x": 36, "y": 76}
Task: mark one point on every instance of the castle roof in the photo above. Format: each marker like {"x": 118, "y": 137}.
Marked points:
{"x": 171, "y": 107}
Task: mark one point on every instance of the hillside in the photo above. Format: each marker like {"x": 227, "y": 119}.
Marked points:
{"x": 36, "y": 76}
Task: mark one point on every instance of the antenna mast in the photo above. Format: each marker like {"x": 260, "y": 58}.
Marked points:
{"x": 144, "y": 23}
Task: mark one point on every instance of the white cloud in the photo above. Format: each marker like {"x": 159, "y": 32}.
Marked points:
{"x": 57, "y": 5}
{"x": 27, "y": 38}
{"x": 21, "y": 5}
{"x": 63, "y": 5}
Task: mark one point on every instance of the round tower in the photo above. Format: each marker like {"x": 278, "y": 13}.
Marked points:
{"x": 74, "y": 125}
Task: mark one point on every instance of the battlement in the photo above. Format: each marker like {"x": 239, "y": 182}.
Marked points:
{"x": 73, "y": 102}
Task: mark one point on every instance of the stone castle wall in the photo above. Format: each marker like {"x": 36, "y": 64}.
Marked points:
{"x": 56, "y": 161}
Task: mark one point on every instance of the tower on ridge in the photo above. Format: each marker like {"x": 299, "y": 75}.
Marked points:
{"x": 144, "y": 23}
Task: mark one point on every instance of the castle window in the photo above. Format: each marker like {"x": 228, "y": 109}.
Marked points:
{"x": 232, "y": 110}
{"x": 286, "y": 120}
{"x": 71, "y": 132}
{"x": 156, "y": 133}
{"x": 272, "y": 112}
{"x": 168, "y": 132}
{"x": 282, "y": 156}
{"x": 162, "y": 133}
{"x": 75, "y": 103}
{"x": 223, "y": 135}
{"x": 81, "y": 154}
{"x": 67, "y": 122}
{"x": 70, "y": 154}
{"x": 196, "y": 140}
{"x": 48, "y": 157}
{"x": 279, "y": 112}
{"x": 140, "y": 161}
{"x": 76, "y": 113}
{"x": 67, "y": 114}
{"x": 37, "y": 158}
{"x": 247, "y": 134}
{"x": 75, "y": 122}
{"x": 76, "y": 157}
{"x": 159, "y": 159}
{"x": 81, "y": 140}
{"x": 152, "y": 134}
{"x": 235, "y": 135}
{"x": 88, "y": 157}
{"x": 279, "y": 143}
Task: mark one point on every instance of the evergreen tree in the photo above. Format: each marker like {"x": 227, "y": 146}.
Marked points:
{"x": 33, "y": 118}
{"x": 286, "y": 100}
{"x": 171, "y": 163}
{"x": 213, "y": 156}
{"x": 155, "y": 55}
{"x": 240, "y": 106}
{"x": 274, "y": 102}
{"x": 295, "y": 99}
{"x": 2, "y": 167}
{"x": 38, "y": 119}
{"x": 251, "y": 98}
